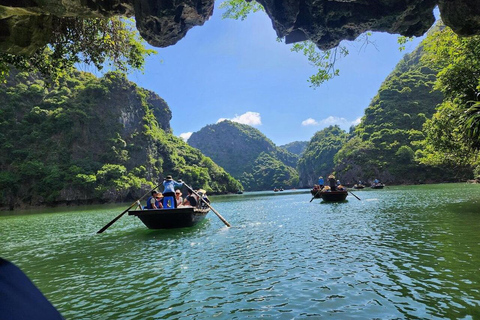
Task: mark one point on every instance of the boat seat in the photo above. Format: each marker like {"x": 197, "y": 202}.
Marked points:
{"x": 168, "y": 202}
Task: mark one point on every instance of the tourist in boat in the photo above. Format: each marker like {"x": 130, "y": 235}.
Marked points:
{"x": 169, "y": 187}
{"x": 159, "y": 199}
{"x": 203, "y": 194}
{"x": 153, "y": 202}
{"x": 190, "y": 200}
{"x": 332, "y": 182}
{"x": 178, "y": 198}
{"x": 321, "y": 182}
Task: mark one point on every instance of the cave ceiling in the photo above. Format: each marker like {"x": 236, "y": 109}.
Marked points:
{"x": 26, "y": 25}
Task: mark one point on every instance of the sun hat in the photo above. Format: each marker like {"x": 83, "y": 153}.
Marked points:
{"x": 169, "y": 177}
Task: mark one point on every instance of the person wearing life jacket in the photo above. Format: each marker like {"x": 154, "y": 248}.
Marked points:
{"x": 153, "y": 201}
{"x": 321, "y": 182}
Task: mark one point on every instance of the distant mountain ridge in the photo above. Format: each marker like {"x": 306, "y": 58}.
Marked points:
{"x": 295, "y": 147}
{"x": 241, "y": 150}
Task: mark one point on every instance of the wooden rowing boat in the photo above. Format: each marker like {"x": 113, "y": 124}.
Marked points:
{"x": 334, "y": 196}
{"x": 182, "y": 217}
{"x": 330, "y": 196}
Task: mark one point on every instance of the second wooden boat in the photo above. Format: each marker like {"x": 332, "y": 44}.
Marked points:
{"x": 330, "y": 196}
{"x": 333, "y": 196}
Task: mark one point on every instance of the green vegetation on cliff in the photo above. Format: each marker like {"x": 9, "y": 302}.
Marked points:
{"x": 91, "y": 140}
{"x": 390, "y": 137}
{"x": 317, "y": 159}
{"x": 244, "y": 152}
{"x": 453, "y": 133}
{"x": 403, "y": 137}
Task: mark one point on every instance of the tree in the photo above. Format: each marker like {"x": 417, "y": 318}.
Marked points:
{"x": 99, "y": 42}
{"x": 453, "y": 133}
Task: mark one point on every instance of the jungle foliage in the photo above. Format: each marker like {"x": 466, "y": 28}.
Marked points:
{"x": 112, "y": 42}
{"x": 421, "y": 126}
{"x": 91, "y": 140}
{"x": 393, "y": 142}
{"x": 453, "y": 133}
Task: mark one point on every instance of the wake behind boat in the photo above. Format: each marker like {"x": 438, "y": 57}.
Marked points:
{"x": 170, "y": 218}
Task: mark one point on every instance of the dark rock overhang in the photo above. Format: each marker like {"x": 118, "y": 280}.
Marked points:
{"x": 26, "y": 25}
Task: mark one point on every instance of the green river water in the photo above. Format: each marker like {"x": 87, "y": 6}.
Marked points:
{"x": 408, "y": 252}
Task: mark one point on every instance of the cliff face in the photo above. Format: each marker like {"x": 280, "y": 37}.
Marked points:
{"x": 391, "y": 138}
{"x": 91, "y": 140}
{"x": 27, "y": 24}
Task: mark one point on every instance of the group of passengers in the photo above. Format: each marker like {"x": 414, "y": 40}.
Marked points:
{"x": 159, "y": 200}
{"x": 333, "y": 185}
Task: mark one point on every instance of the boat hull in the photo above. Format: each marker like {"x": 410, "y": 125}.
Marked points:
{"x": 170, "y": 218}
{"x": 330, "y": 196}
{"x": 334, "y": 196}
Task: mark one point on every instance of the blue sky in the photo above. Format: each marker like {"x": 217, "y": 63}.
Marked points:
{"x": 228, "y": 69}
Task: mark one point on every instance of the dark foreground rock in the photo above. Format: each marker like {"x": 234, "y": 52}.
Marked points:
{"x": 26, "y": 25}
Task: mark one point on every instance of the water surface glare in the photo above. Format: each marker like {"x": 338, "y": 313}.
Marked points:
{"x": 399, "y": 253}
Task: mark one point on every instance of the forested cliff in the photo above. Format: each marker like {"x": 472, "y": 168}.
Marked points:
{"x": 397, "y": 139}
{"x": 91, "y": 140}
{"x": 317, "y": 160}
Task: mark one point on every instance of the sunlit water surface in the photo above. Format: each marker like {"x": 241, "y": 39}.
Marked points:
{"x": 398, "y": 253}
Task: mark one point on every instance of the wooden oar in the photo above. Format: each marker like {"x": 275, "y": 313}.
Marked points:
{"x": 315, "y": 195}
{"x": 208, "y": 204}
{"x": 354, "y": 195}
{"x": 121, "y": 214}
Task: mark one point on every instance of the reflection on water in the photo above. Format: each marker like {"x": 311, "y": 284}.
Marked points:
{"x": 399, "y": 253}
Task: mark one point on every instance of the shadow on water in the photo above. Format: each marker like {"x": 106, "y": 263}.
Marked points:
{"x": 462, "y": 208}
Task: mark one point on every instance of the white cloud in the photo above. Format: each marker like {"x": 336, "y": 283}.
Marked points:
{"x": 250, "y": 118}
{"x": 330, "y": 121}
{"x": 357, "y": 121}
{"x": 185, "y": 136}
{"x": 335, "y": 120}
{"x": 309, "y": 122}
